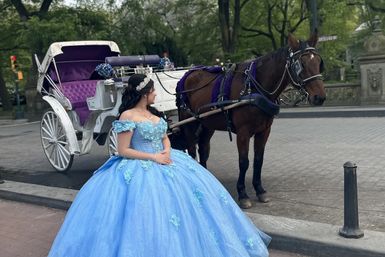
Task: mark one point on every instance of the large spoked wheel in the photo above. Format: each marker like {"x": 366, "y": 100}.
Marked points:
{"x": 55, "y": 142}
{"x": 112, "y": 143}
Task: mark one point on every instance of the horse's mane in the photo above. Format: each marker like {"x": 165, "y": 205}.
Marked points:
{"x": 278, "y": 54}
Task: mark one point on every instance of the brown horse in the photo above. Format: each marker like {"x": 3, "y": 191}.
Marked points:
{"x": 298, "y": 63}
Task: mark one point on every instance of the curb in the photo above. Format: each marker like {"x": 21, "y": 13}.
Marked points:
{"x": 298, "y": 236}
{"x": 54, "y": 197}
{"x": 285, "y": 112}
{"x": 331, "y": 112}
{"x": 13, "y": 123}
{"x": 317, "y": 239}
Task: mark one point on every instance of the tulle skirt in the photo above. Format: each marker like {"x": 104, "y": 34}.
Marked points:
{"x": 136, "y": 208}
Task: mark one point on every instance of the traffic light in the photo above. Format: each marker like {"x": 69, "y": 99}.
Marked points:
{"x": 13, "y": 62}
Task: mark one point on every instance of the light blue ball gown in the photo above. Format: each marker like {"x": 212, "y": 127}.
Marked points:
{"x": 139, "y": 208}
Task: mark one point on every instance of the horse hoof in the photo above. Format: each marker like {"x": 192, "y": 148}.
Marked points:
{"x": 263, "y": 198}
{"x": 245, "y": 203}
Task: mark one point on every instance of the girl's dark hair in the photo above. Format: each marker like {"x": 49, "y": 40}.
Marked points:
{"x": 131, "y": 96}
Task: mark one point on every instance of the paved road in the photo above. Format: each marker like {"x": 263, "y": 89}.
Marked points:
{"x": 28, "y": 230}
{"x": 303, "y": 166}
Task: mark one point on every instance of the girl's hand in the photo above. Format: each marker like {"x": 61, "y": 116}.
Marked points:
{"x": 166, "y": 152}
{"x": 162, "y": 158}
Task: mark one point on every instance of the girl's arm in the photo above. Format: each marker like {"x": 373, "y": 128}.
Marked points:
{"x": 166, "y": 144}
{"x": 124, "y": 150}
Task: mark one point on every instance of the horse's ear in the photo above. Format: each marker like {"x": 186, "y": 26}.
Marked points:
{"x": 312, "y": 41}
{"x": 292, "y": 42}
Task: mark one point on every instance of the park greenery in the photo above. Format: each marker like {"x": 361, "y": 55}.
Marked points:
{"x": 191, "y": 31}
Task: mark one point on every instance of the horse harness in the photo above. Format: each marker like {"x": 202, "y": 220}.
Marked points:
{"x": 293, "y": 68}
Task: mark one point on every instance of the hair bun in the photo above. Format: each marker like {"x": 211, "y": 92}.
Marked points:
{"x": 135, "y": 80}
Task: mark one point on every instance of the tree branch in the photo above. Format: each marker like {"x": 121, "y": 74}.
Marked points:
{"x": 375, "y": 8}
{"x": 301, "y": 19}
{"x": 5, "y": 7}
{"x": 297, "y": 24}
{"x": 257, "y": 32}
{"x": 284, "y": 23}
{"x": 269, "y": 23}
{"x": 20, "y": 8}
{"x": 44, "y": 7}
{"x": 15, "y": 48}
{"x": 244, "y": 3}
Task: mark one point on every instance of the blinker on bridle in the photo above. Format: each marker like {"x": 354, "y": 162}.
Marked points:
{"x": 295, "y": 66}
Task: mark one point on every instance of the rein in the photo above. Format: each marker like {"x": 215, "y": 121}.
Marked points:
{"x": 185, "y": 91}
{"x": 258, "y": 86}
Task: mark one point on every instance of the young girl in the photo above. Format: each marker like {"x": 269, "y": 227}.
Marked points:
{"x": 154, "y": 201}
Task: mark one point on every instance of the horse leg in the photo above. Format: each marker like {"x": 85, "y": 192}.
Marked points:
{"x": 260, "y": 140}
{"x": 204, "y": 146}
{"x": 192, "y": 150}
{"x": 188, "y": 131}
{"x": 243, "y": 151}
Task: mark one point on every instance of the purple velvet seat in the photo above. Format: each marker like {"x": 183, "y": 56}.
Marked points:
{"x": 77, "y": 93}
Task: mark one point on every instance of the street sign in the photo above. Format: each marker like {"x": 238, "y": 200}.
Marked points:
{"x": 327, "y": 38}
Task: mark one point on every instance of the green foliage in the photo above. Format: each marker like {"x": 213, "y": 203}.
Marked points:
{"x": 187, "y": 29}
{"x": 62, "y": 23}
{"x": 266, "y": 24}
{"x": 334, "y": 23}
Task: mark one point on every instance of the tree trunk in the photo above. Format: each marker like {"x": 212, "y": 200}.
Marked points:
{"x": 31, "y": 94}
{"x": 224, "y": 16}
{"x": 4, "y": 96}
{"x": 34, "y": 101}
{"x": 237, "y": 24}
{"x": 313, "y": 13}
{"x": 229, "y": 32}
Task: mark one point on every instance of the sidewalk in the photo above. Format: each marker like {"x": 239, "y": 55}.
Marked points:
{"x": 294, "y": 112}
{"x": 28, "y": 230}
{"x": 299, "y": 236}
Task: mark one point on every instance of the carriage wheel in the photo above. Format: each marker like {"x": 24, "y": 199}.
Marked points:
{"x": 55, "y": 143}
{"x": 112, "y": 143}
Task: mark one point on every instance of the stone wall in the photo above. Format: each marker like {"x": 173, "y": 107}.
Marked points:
{"x": 343, "y": 94}
{"x": 337, "y": 94}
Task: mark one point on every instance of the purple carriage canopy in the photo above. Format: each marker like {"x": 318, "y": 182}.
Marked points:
{"x": 73, "y": 61}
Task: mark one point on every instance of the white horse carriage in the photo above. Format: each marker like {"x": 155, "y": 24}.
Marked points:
{"x": 83, "y": 103}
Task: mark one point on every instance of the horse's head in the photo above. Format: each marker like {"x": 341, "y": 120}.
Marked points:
{"x": 305, "y": 68}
